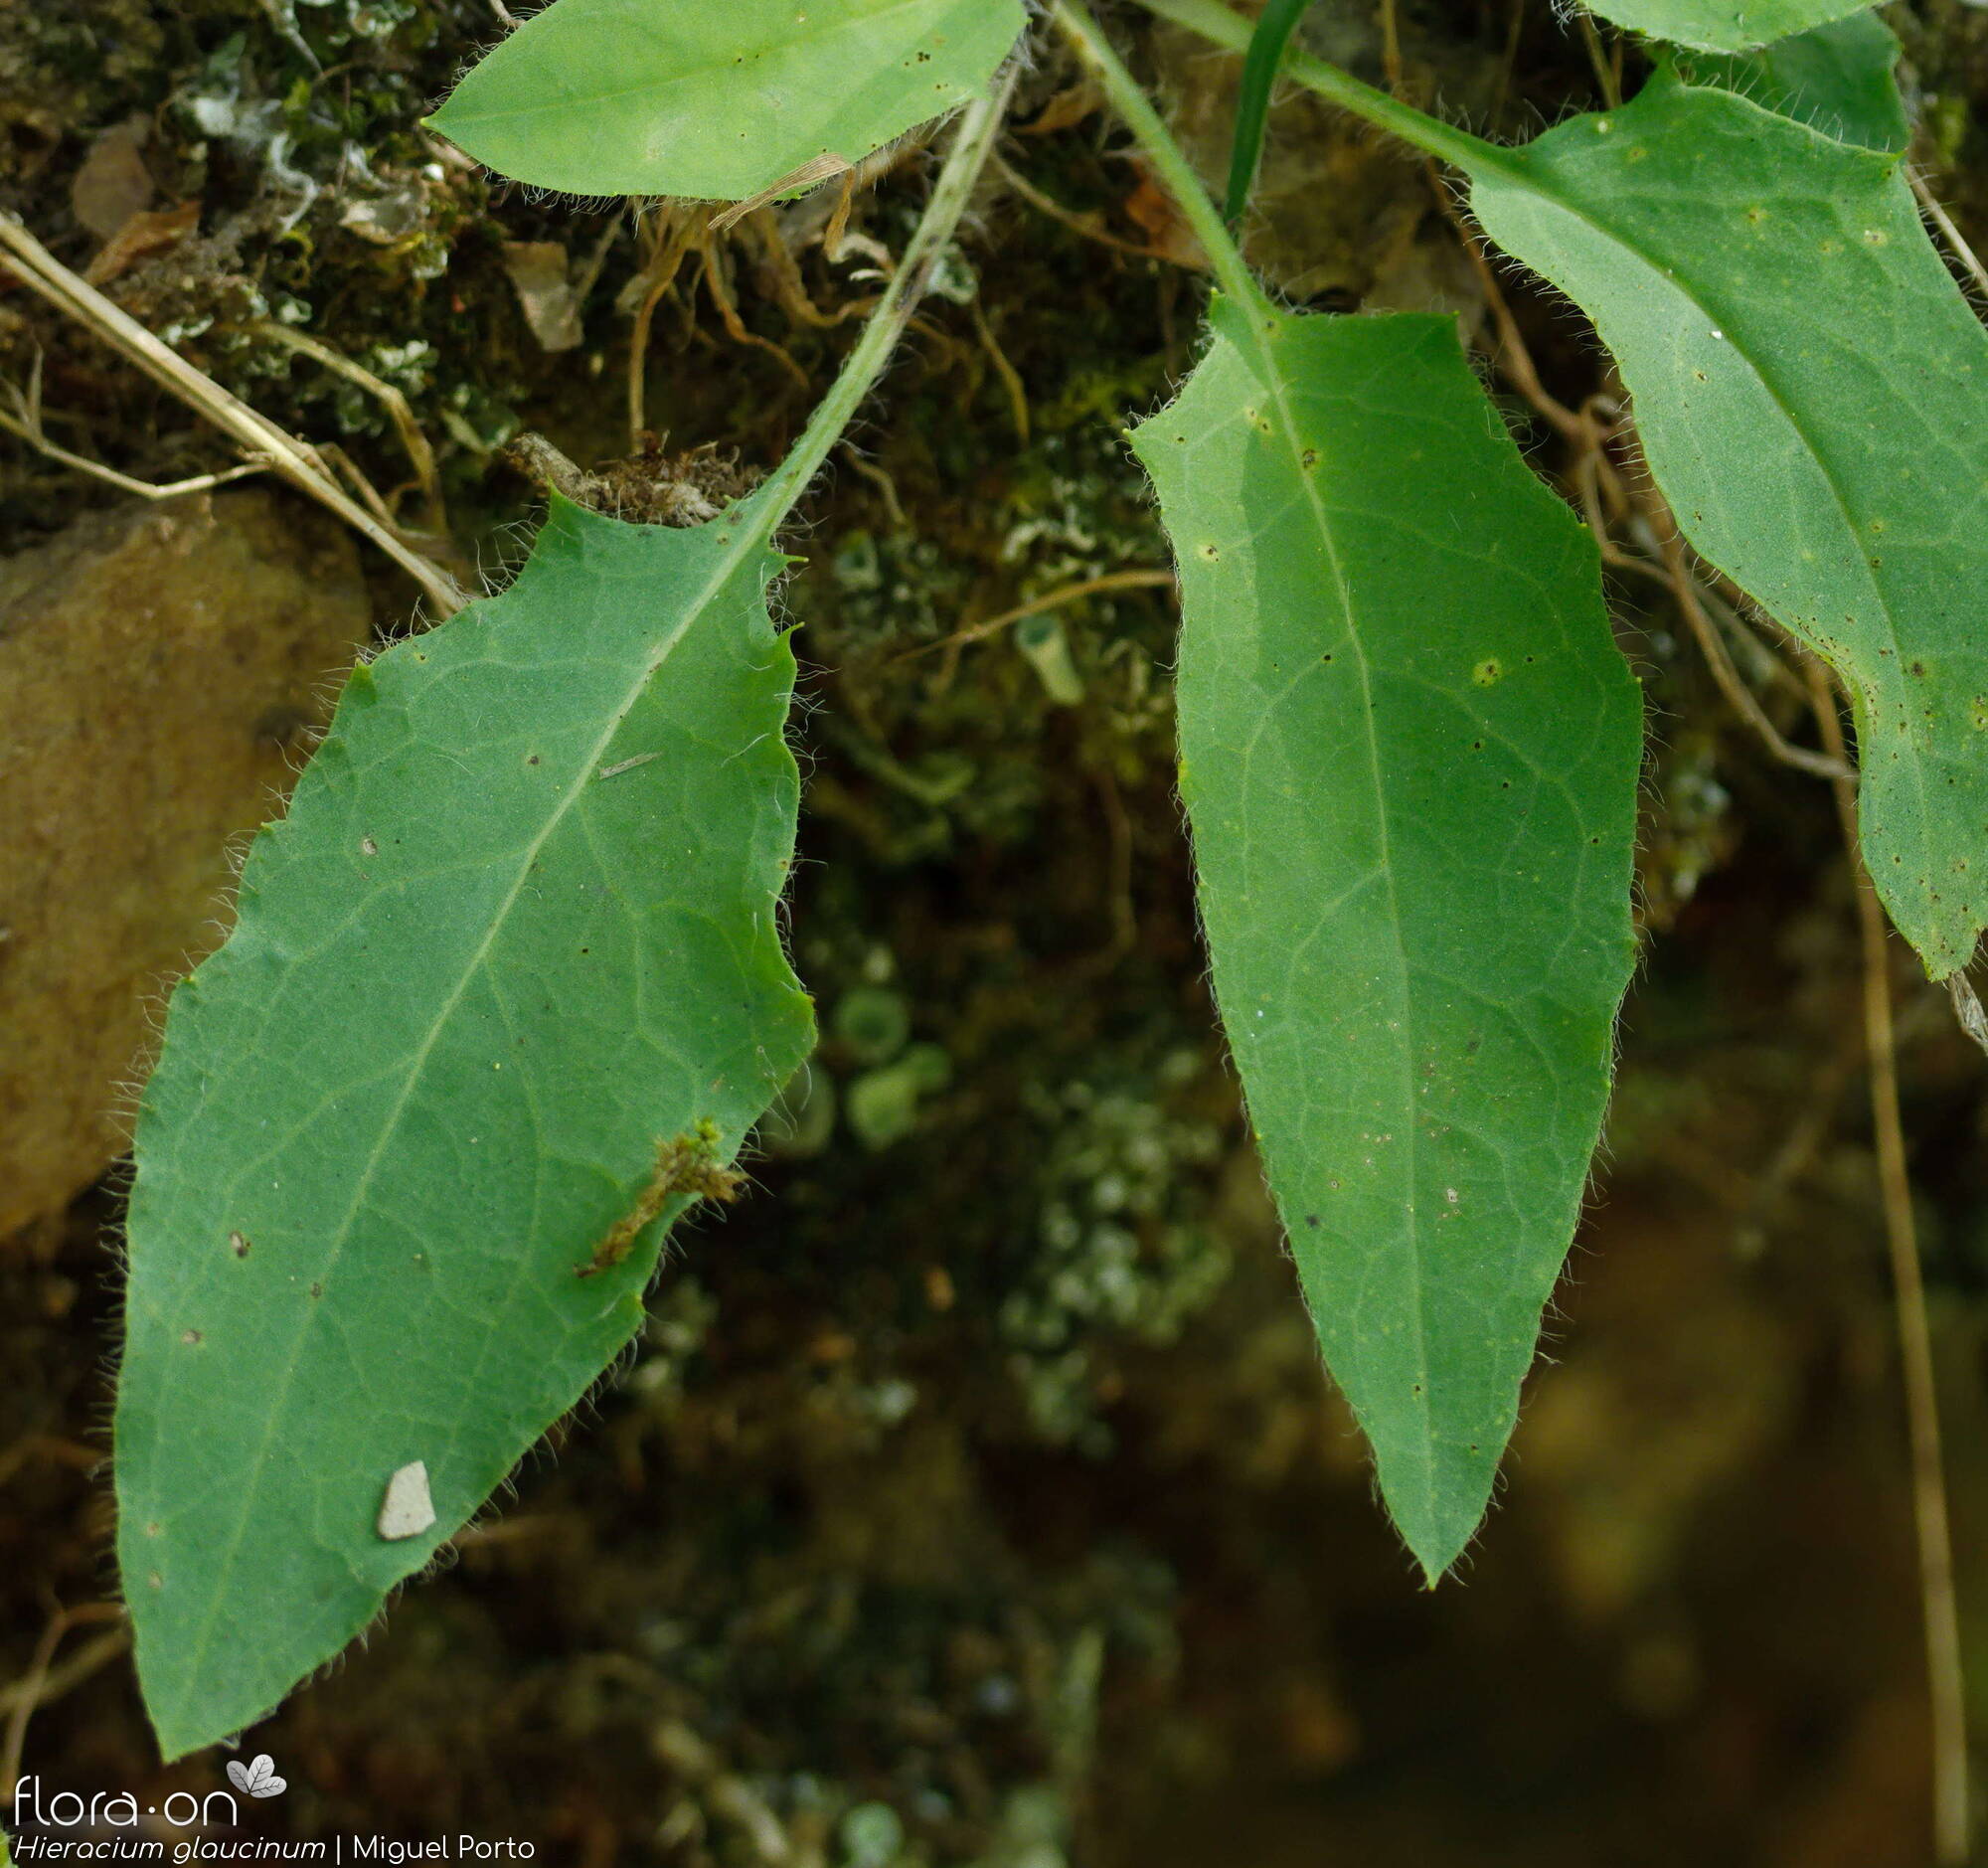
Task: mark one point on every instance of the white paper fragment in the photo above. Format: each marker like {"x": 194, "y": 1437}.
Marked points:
{"x": 407, "y": 1510}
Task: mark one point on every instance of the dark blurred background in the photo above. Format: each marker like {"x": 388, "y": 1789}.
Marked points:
{"x": 973, "y": 1496}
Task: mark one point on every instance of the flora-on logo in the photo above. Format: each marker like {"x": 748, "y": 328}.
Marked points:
{"x": 257, "y": 1779}
{"x": 66, "y": 1809}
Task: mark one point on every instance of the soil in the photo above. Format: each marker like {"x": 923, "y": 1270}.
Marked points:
{"x": 974, "y": 1495}
{"x": 163, "y": 667}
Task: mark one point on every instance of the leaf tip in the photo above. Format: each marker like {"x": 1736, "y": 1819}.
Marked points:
{"x": 1438, "y": 1501}
{"x": 1438, "y": 1546}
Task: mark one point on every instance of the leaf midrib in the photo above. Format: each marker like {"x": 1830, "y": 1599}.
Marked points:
{"x": 1266, "y": 368}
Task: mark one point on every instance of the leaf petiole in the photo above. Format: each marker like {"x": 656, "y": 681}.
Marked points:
{"x": 1212, "y": 20}
{"x": 979, "y": 123}
{"x": 1166, "y": 155}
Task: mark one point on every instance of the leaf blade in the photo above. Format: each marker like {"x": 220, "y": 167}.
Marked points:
{"x": 343, "y": 1262}
{"x": 625, "y": 96}
{"x": 1724, "y": 25}
{"x": 1838, "y": 78}
{"x": 1693, "y": 211}
{"x": 1357, "y": 703}
{"x": 1829, "y": 462}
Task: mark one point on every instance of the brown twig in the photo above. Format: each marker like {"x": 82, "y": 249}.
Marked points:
{"x": 143, "y": 489}
{"x": 42, "y": 273}
{"x": 1726, "y": 602}
{"x": 363, "y": 489}
{"x": 1956, "y": 242}
{"x": 783, "y": 274}
{"x": 812, "y": 174}
{"x": 1011, "y": 381}
{"x": 879, "y": 478}
{"x": 1070, "y": 593}
{"x": 1086, "y": 225}
{"x": 1391, "y": 48}
{"x": 1737, "y": 694}
{"x": 26, "y": 421}
{"x": 1605, "y": 500}
{"x": 420, "y": 453}
{"x": 719, "y": 289}
{"x": 1605, "y": 74}
{"x": 1945, "y": 1683}
{"x": 43, "y": 1682}
{"x": 672, "y": 244}
{"x": 1513, "y": 358}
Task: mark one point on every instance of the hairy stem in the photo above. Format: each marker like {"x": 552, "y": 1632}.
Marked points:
{"x": 979, "y": 123}
{"x": 1430, "y": 135}
{"x": 1161, "y": 150}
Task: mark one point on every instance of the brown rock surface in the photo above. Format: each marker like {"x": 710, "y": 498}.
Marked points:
{"x": 161, "y": 671}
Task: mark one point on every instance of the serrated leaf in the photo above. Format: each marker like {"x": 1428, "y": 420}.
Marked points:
{"x": 1410, "y": 753}
{"x": 518, "y": 928}
{"x": 1812, "y": 394}
{"x": 717, "y": 102}
{"x": 1722, "y": 25}
{"x": 1840, "y": 79}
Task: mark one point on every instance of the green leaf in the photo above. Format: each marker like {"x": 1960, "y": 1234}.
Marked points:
{"x": 518, "y": 930}
{"x": 1279, "y": 20}
{"x": 718, "y": 100}
{"x": 1812, "y": 394}
{"x": 1724, "y": 25}
{"x": 505, "y": 988}
{"x": 1838, "y": 78}
{"x": 1410, "y": 753}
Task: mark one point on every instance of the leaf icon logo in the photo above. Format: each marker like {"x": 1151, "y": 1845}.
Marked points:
{"x": 257, "y": 1779}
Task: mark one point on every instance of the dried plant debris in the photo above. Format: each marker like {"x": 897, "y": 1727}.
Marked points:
{"x": 648, "y": 488}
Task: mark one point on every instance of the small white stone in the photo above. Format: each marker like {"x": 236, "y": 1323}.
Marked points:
{"x": 407, "y": 1510}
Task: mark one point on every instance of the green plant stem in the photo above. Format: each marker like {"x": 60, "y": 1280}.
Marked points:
{"x": 1430, "y": 135}
{"x": 1166, "y": 155}
{"x": 979, "y": 123}
{"x": 1253, "y": 101}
